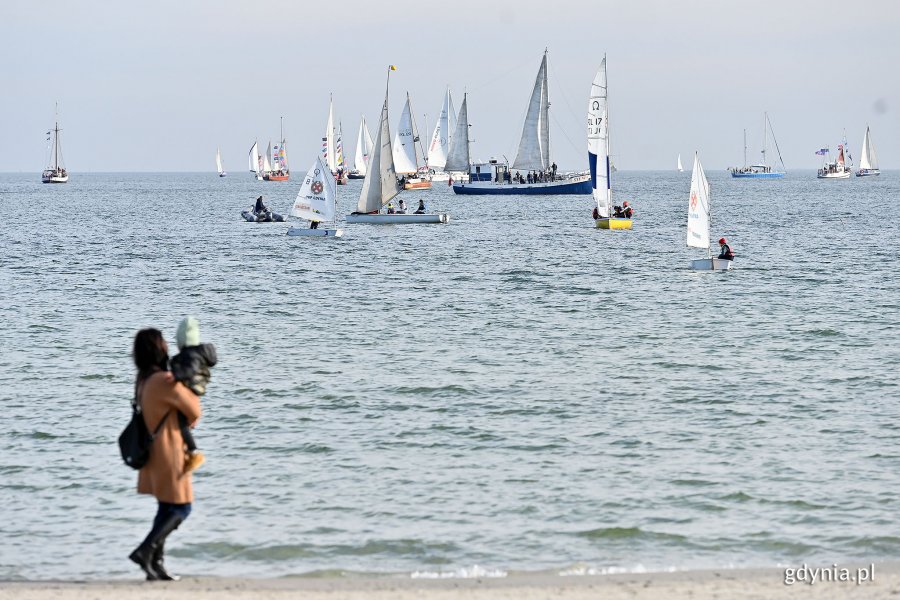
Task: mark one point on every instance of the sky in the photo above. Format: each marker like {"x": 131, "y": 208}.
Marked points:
{"x": 159, "y": 85}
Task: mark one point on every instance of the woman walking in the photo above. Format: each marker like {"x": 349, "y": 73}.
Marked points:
{"x": 161, "y": 398}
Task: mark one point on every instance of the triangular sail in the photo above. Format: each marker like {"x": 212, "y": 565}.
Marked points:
{"x": 328, "y": 147}
{"x": 218, "y": 161}
{"x": 698, "y": 208}
{"x": 458, "y": 152}
{"x": 868, "y": 160}
{"x": 404, "y": 146}
{"x": 380, "y": 184}
{"x": 317, "y": 196}
{"x": 440, "y": 139}
{"x": 598, "y": 143}
{"x": 254, "y": 158}
{"x": 363, "y": 148}
{"x": 534, "y": 147}
{"x": 267, "y": 162}
{"x": 680, "y": 167}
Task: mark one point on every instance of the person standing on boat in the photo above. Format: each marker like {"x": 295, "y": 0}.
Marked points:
{"x": 725, "y": 253}
{"x": 161, "y": 398}
{"x": 421, "y": 209}
{"x": 260, "y": 206}
{"x": 553, "y": 168}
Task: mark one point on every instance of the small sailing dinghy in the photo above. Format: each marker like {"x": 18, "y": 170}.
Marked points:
{"x": 256, "y": 166}
{"x": 332, "y": 147}
{"x": 439, "y": 147}
{"x": 698, "y": 221}
{"x": 868, "y": 162}
{"x": 317, "y": 202}
{"x": 363, "y": 151}
{"x": 598, "y": 154}
{"x": 55, "y": 171}
{"x": 407, "y": 150}
{"x": 219, "y": 168}
{"x": 380, "y": 185}
{"x": 680, "y": 168}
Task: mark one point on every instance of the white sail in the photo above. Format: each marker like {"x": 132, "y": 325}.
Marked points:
{"x": 267, "y": 159}
{"x": 380, "y": 184}
{"x": 218, "y": 161}
{"x": 330, "y": 158}
{"x": 254, "y": 158}
{"x": 868, "y": 160}
{"x": 598, "y": 142}
{"x": 680, "y": 168}
{"x": 316, "y": 199}
{"x": 458, "y": 152}
{"x": 440, "y": 139}
{"x": 363, "y": 148}
{"x": 404, "y": 146}
{"x": 698, "y": 208}
{"x": 534, "y": 147}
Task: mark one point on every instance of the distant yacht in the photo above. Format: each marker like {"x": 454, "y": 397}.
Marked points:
{"x": 680, "y": 168}
{"x": 836, "y": 169}
{"x": 219, "y": 168}
{"x": 275, "y": 165}
{"x": 762, "y": 170}
{"x": 55, "y": 171}
{"x": 868, "y": 162}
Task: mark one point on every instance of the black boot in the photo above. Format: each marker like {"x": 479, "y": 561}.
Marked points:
{"x": 144, "y": 554}
{"x": 158, "y": 566}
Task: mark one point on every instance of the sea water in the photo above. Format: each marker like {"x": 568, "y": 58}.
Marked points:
{"x": 514, "y": 391}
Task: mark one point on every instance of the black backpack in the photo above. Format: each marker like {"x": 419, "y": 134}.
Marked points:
{"x": 135, "y": 440}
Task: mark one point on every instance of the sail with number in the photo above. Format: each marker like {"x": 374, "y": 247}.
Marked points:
{"x": 458, "y": 152}
{"x": 534, "y": 147}
{"x": 380, "y": 184}
{"x": 316, "y": 199}
{"x": 405, "y": 142}
{"x": 363, "y": 148}
{"x": 868, "y": 160}
{"x": 440, "y": 139}
{"x": 698, "y": 208}
{"x": 598, "y": 143}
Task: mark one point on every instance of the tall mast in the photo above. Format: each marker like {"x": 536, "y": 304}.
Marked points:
{"x": 745, "y": 147}
{"x": 425, "y": 154}
{"x": 608, "y": 173}
{"x": 765, "y": 136}
{"x": 56, "y": 138}
{"x": 547, "y": 87}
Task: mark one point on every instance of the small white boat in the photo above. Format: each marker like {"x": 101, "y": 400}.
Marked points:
{"x": 363, "y": 151}
{"x": 868, "y": 162}
{"x": 397, "y": 218}
{"x": 219, "y": 168}
{"x": 380, "y": 184}
{"x": 698, "y": 221}
{"x": 408, "y": 150}
{"x": 680, "y": 168}
{"x": 439, "y": 148}
{"x": 256, "y": 164}
{"x": 317, "y": 202}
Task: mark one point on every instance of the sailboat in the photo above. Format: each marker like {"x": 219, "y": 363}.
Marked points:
{"x": 363, "y": 151}
{"x": 836, "y": 169}
{"x": 680, "y": 168}
{"x": 698, "y": 221}
{"x": 316, "y": 202}
{"x": 219, "y": 168}
{"x": 458, "y": 151}
{"x": 55, "y": 171}
{"x": 255, "y": 160}
{"x": 341, "y": 176}
{"x": 761, "y": 170}
{"x": 868, "y": 162}
{"x": 330, "y": 147}
{"x": 380, "y": 185}
{"x": 440, "y": 140}
{"x": 407, "y": 150}
{"x": 277, "y": 167}
{"x": 598, "y": 154}
{"x": 496, "y": 177}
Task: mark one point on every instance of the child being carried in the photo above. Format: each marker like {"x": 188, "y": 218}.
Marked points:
{"x": 191, "y": 367}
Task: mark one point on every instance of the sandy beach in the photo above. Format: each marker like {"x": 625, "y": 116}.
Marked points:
{"x": 762, "y": 584}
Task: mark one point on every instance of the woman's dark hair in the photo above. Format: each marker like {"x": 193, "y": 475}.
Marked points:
{"x": 149, "y": 352}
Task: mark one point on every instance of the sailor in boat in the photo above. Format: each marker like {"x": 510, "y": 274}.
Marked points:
{"x": 421, "y": 209}
{"x": 626, "y": 210}
{"x": 553, "y": 168}
{"x": 260, "y": 206}
{"x": 313, "y": 224}
{"x": 726, "y": 252}
{"x": 618, "y": 213}
{"x": 401, "y": 209}
{"x": 390, "y": 208}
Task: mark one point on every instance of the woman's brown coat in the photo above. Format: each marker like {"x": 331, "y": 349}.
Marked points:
{"x": 163, "y": 476}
